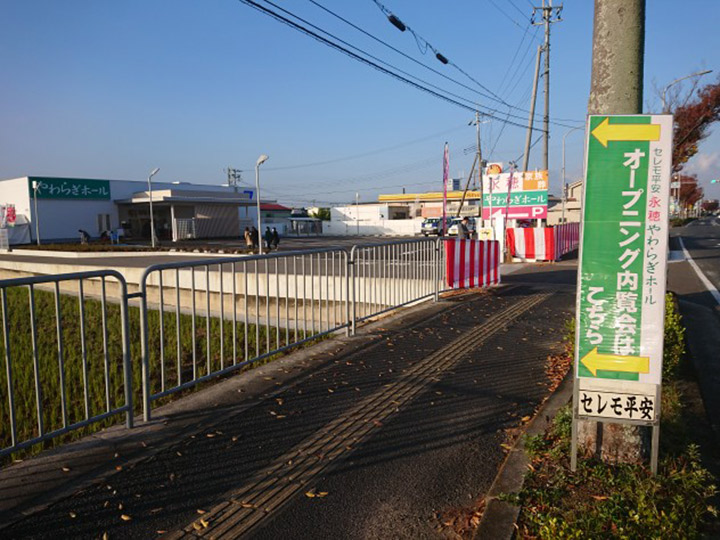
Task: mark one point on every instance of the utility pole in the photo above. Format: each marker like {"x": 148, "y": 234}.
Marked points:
{"x": 549, "y": 15}
{"x": 528, "y": 136}
{"x": 616, "y": 88}
{"x": 478, "y": 159}
{"x": 234, "y": 177}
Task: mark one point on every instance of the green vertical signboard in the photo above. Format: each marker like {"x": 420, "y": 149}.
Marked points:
{"x": 622, "y": 271}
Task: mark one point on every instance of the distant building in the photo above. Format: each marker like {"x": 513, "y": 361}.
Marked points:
{"x": 573, "y": 206}
{"x": 180, "y": 210}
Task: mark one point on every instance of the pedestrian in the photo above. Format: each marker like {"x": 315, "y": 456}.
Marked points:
{"x": 255, "y": 235}
{"x": 275, "y": 238}
{"x": 248, "y": 239}
{"x": 463, "y": 229}
{"x": 268, "y": 238}
{"x": 84, "y": 236}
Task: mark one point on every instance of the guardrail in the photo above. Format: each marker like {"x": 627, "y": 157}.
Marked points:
{"x": 197, "y": 320}
{"x": 67, "y": 361}
{"x": 250, "y": 309}
{"x": 393, "y": 274}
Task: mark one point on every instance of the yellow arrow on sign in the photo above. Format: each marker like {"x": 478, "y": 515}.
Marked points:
{"x": 607, "y": 132}
{"x": 615, "y": 362}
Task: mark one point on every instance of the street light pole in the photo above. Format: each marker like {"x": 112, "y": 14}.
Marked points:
{"x": 564, "y": 181}
{"x": 357, "y": 213}
{"x": 696, "y": 74}
{"x": 262, "y": 159}
{"x": 152, "y": 216}
{"x": 35, "y": 186}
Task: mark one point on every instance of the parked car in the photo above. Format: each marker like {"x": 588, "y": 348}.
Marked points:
{"x": 455, "y": 226}
{"x": 433, "y": 226}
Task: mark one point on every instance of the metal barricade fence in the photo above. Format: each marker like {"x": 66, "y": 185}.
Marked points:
{"x": 206, "y": 318}
{"x": 66, "y": 340}
{"x": 65, "y": 344}
{"x": 393, "y": 274}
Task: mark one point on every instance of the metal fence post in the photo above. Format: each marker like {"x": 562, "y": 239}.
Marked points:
{"x": 353, "y": 307}
{"x": 436, "y": 272}
{"x": 347, "y": 293}
{"x": 144, "y": 342}
{"x": 127, "y": 365}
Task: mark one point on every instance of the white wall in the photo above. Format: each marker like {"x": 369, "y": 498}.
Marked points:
{"x": 379, "y": 227}
{"x": 60, "y": 219}
{"x": 17, "y": 192}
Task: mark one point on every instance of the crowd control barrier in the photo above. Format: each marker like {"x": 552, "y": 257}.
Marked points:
{"x": 543, "y": 244}
{"x": 472, "y": 263}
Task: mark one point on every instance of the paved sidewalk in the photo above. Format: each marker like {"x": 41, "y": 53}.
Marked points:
{"x": 389, "y": 431}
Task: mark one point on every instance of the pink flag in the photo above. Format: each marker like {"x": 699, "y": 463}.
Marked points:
{"x": 446, "y": 172}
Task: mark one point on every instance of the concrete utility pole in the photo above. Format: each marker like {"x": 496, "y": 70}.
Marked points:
{"x": 618, "y": 52}
{"x": 528, "y": 136}
{"x": 234, "y": 176}
{"x": 616, "y": 88}
{"x": 550, "y": 15}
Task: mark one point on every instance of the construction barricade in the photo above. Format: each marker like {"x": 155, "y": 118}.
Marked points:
{"x": 472, "y": 263}
{"x": 543, "y": 244}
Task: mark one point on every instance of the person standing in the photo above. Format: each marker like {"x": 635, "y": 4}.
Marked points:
{"x": 275, "y": 238}
{"x": 268, "y": 238}
{"x": 255, "y": 235}
{"x": 463, "y": 229}
{"x": 248, "y": 239}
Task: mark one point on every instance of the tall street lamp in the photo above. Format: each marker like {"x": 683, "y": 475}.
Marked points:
{"x": 152, "y": 217}
{"x": 262, "y": 159}
{"x": 696, "y": 74}
{"x": 564, "y": 181}
{"x": 36, "y": 186}
{"x": 357, "y": 213}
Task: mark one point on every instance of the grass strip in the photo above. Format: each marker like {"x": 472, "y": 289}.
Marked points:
{"x": 620, "y": 501}
{"x": 105, "y": 379}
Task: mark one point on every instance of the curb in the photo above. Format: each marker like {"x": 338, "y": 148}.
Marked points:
{"x": 500, "y": 518}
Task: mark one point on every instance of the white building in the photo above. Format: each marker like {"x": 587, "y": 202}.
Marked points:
{"x": 573, "y": 206}
{"x": 60, "y": 207}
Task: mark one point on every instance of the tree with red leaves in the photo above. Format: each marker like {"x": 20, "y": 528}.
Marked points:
{"x": 710, "y": 206}
{"x": 692, "y": 123}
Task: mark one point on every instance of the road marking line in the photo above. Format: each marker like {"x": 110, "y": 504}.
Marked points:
{"x": 708, "y": 284}
{"x": 271, "y": 487}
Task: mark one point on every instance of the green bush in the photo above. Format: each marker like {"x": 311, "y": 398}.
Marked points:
{"x": 674, "y": 346}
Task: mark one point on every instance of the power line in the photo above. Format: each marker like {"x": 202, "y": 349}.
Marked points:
{"x": 374, "y": 65}
{"x": 364, "y": 154}
{"x": 493, "y": 97}
{"x": 398, "y": 51}
{"x": 442, "y": 58}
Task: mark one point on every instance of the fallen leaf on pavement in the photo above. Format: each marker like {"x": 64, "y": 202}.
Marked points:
{"x": 125, "y": 517}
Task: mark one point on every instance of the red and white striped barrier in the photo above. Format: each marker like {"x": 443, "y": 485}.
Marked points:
{"x": 567, "y": 238}
{"x": 543, "y": 244}
{"x": 472, "y": 263}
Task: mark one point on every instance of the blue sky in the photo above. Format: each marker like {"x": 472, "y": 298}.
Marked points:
{"x": 102, "y": 89}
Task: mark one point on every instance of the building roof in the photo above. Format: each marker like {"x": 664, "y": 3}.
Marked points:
{"x": 274, "y": 206}
{"x": 186, "y": 196}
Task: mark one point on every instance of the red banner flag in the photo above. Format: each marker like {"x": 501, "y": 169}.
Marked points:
{"x": 446, "y": 172}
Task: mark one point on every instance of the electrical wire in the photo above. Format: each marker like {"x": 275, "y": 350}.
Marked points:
{"x": 363, "y": 154}
{"x": 458, "y": 102}
{"x": 445, "y": 60}
{"x": 398, "y": 51}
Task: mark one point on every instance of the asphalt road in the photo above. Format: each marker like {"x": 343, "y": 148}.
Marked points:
{"x": 395, "y": 435}
{"x": 702, "y": 240}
